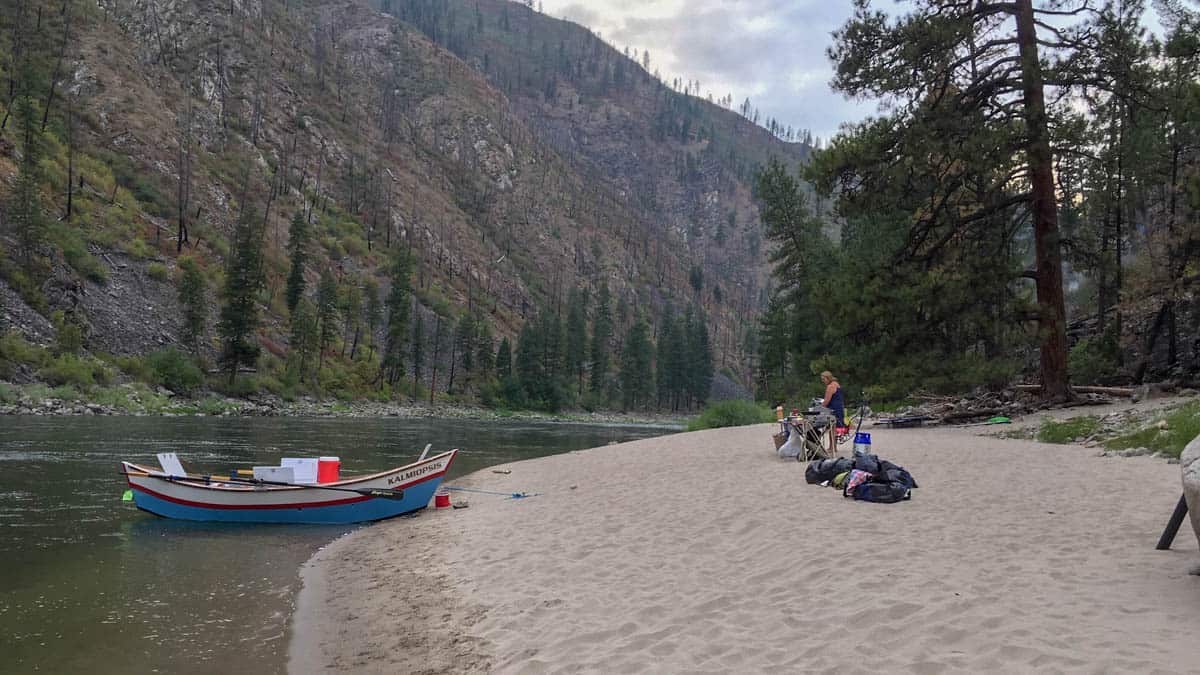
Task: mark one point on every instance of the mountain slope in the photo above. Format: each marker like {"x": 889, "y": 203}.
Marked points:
{"x": 202, "y": 111}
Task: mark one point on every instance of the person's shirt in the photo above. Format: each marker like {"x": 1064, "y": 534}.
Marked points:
{"x": 833, "y": 401}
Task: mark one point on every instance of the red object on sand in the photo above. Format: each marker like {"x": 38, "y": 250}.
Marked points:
{"x": 441, "y": 500}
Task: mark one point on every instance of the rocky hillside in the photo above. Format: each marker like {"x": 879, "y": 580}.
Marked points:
{"x": 683, "y": 164}
{"x": 511, "y": 183}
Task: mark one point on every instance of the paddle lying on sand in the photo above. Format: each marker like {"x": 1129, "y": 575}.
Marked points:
{"x": 366, "y": 492}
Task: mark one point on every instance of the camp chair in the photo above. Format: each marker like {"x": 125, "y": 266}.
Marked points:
{"x": 815, "y": 442}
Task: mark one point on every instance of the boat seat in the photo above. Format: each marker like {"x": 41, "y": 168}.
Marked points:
{"x": 170, "y": 464}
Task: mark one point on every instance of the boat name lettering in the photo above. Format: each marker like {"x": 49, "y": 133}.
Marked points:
{"x": 419, "y": 471}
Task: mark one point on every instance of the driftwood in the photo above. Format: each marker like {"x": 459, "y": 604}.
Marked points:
{"x": 1122, "y": 392}
{"x": 968, "y": 414}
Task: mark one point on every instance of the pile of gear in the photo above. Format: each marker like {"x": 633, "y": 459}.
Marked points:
{"x": 864, "y": 477}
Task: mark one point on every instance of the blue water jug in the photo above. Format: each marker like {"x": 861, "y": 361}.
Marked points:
{"x": 862, "y": 443}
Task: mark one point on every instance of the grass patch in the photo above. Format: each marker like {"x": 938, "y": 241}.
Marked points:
{"x": 16, "y": 351}
{"x": 1183, "y": 424}
{"x": 1052, "y": 431}
{"x": 68, "y": 369}
{"x": 157, "y": 271}
{"x": 731, "y": 414}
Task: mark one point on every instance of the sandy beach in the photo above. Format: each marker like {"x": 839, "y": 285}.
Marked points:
{"x": 703, "y": 552}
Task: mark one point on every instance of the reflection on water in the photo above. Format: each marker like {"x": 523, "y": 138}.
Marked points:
{"x": 90, "y": 584}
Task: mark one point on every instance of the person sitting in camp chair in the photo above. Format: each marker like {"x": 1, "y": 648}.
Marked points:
{"x": 835, "y": 402}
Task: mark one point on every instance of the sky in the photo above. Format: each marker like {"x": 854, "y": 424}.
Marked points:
{"x": 772, "y": 51}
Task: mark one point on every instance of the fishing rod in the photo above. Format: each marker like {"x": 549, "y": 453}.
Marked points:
{"x": 366, "y": 492}
{"x": 862, "y": 411}
{"x": 510, "y": 495}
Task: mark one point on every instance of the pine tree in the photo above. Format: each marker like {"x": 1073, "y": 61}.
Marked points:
{"x": 25, "y": 212}
{"x": 699, "y": 368}
{"x": 485, "y": 357}
{"x": 576, "y": 349}
{"x": 637, "y": 383}
{"x": 374, "y": 312}
{"x": 327, "y": 313}
{"x": 601, "y": 337}
{"x": 417, "y": 350}
{"x": 670, "y": 362}
{"x": 967, "y": 86}
{"x": 193, "y": 298}
{"x": 352, "y": 313}
{"x": 243, "y": 282}
{"x": 504, "y": 359}
{"x": 529, "y": 366}
{"x": 305, "y": 338}
{"x": 463, "y": 349}
{"x": 298, "y": 240}
{"x": 397, "y": 332}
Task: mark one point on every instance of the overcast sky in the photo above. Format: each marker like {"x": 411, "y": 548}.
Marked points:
{"x": 772, "y": 51}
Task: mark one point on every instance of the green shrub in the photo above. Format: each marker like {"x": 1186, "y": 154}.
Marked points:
{"x": 731, "y": 414}
{"x": 16, "y": 350}
{"x": 70, "y": 369}
{"x": 242, "y": 386}
{"x": 1094, "y": 359}
{"x": 157, "y": 271}
{"x": 68, "y": 334}
{"x": 74, "y": 249}
{"x": 25, "y": 285}
{"x": 66, "y": 393}
{"x": 174, "y": 370}
{"x": 133, "y": 366}
{"x": 355, "y": 246}
{"x": 213, "y": 406}
{"x": 9, "y": 394}
{"x": 112, "y": 397}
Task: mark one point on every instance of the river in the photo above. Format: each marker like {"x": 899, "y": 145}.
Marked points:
{"x": 90, "y": 584}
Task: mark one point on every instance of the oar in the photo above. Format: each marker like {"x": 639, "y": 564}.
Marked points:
{"x": 366, "y": 492}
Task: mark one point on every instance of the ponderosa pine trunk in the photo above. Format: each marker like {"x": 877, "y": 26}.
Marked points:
{"x": 1055, "y": 383}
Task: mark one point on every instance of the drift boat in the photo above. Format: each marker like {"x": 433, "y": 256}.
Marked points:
{"x": 175, "y": 494}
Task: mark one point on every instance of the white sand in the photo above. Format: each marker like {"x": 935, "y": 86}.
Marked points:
{"x": 702, "y": 552}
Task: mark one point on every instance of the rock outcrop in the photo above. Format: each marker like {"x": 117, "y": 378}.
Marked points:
{"x": 1190, "y": 462}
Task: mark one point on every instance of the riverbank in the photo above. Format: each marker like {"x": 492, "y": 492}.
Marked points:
{"x": 140, "y": 400}
{"x": 703, "y": 552}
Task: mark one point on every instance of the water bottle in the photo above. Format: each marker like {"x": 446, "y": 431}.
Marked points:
{"x": 862, "y": 444}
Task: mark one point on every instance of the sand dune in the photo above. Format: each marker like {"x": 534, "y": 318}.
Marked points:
{"x": 702, "y": 552}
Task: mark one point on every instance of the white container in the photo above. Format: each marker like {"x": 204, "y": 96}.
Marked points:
{"x": 277, "y": 474}
{"x": 305, "y": 469}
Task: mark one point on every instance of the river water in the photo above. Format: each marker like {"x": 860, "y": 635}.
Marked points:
{"x": 90, "y": 584}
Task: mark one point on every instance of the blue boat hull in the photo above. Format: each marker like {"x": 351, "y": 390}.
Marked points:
{"x": 218, "y": 499}
{"x": 415, "y": 498}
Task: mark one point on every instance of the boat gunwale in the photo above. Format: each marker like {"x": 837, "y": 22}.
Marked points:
{"x": 199, "y": 481}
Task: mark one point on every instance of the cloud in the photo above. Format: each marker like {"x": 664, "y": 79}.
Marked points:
{"x": 772, "y": 51}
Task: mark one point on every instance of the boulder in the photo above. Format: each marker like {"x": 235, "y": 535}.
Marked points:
{"x": 1189, "y": 462}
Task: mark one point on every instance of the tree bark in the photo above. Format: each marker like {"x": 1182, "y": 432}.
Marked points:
{"x": 1045, "y": 215}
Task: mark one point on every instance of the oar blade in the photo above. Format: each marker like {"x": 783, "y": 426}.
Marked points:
{"x": 382, "y": 494}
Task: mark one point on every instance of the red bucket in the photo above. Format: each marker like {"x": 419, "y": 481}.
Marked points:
{"x": 441, "y": 500}
{"x": 329, "y": 470}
